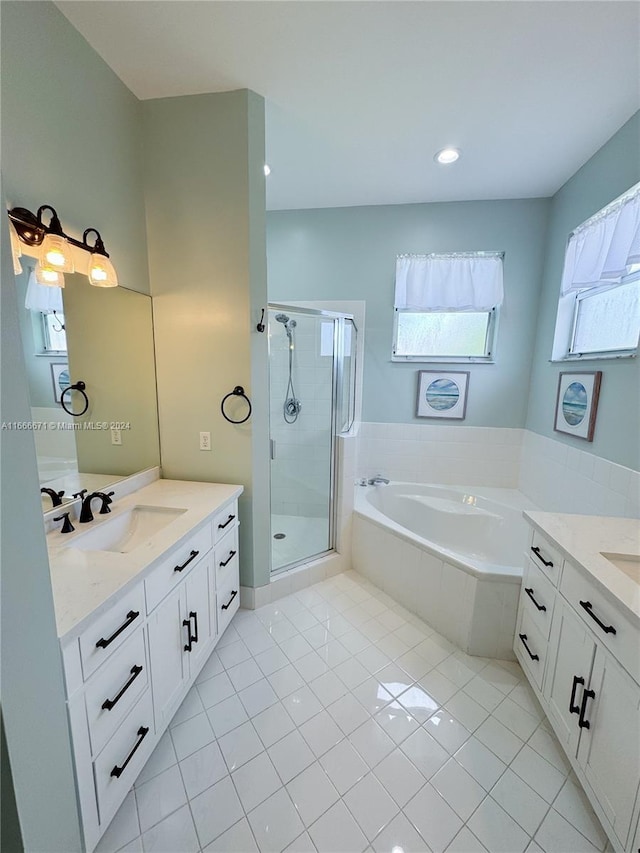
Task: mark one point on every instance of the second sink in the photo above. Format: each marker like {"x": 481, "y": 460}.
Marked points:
{"x": 127, "y": 530}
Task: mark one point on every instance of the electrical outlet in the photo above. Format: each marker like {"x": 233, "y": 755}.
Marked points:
{"x": 205, "y": 441}
{"x": 116, "y": 436}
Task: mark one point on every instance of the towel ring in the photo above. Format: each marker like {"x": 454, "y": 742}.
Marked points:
{"x": 77, "y": 386}
{"x": 238, "y": 391}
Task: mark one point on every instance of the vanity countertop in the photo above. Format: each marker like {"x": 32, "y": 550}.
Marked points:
{"x": 583, "y": 538}
{"x": 85, "y": 582}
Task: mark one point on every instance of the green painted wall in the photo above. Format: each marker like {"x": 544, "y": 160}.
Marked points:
{"x": 349, "y": 253}
{"x": 611, "y": 171}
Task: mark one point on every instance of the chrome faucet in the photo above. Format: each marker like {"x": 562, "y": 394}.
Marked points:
{"x": 85, "y": 512}
{"x": 56, "y": 497}
{"x": 378, "y": 480}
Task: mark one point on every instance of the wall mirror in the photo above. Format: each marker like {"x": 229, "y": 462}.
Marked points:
{"x": 104, "y": 338}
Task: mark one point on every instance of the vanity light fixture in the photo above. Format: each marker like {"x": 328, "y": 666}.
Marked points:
{"x": 55, "y": 256}
{"x": 16, "y": 249}
{"x": 446, "y": 156}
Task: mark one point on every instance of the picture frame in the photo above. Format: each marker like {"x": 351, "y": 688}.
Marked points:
{"x": 577, "y": 403}
{"x": 442, "y": 394}
{"x": 60, "y": 379}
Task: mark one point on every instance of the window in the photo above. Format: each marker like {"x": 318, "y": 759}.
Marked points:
{"x": 446, "y": 307}
{"x": 54, "y": 335}
{"x": 599, "y": 305}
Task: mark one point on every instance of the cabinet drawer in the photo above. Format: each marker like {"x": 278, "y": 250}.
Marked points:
{"x": 121, "y": 760}
{"x": 227, "y": 602}
{"x": 115, "y": 688}
{"x": 531, "y": 648}
{"x": 176, "y": 565}
{"x": 224, "y": 520}
{"x": 608, "y": 625}
{"x": 546, "y": 556}
{"x": 111, "y": 629}
{"x": 226, "y": 559}
{"x": 538, "y": 597}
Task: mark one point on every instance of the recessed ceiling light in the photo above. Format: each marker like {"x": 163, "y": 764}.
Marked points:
{"x": 267, "y": 170}
{"x": 447, "y": 155}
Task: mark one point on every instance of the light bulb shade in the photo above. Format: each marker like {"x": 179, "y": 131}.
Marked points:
{"x": 55, "y": 253}
{"x": 101, "y": 272}
{"x": 16, "y": 249}
{"x": 48, "y": 276}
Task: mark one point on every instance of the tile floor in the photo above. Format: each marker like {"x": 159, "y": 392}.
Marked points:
{"x": 336, "y": 721}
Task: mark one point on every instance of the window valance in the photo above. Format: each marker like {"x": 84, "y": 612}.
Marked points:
{"x": 461, "y": 281}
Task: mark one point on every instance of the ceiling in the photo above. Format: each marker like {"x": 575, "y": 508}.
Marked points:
{"x": 360, "y": 95}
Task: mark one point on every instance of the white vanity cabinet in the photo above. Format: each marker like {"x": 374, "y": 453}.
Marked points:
{"x": 130, "y": 666}
{"x": 586, "y": 679}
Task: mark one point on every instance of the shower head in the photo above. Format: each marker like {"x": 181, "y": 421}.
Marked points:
{"x": 282, "y": 318}
{"x": 287, "y": 322}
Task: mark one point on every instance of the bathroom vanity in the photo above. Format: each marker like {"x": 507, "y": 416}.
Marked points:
{"x": 578, "y": 641}
{"x": 142, "y": 595}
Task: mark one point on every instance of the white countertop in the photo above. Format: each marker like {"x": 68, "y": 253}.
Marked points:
{"x": 582, "y": 538}
{"x": 85, "y": 582}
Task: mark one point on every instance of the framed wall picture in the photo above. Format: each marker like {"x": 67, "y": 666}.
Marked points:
{"x": 60, "y": 379}
{"x": 577, "y": 403}
{"x": 442, "y": 394}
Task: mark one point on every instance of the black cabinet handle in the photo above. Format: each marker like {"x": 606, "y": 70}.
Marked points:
{"x": 131, "y": 615}
{"x": 142, "y": 732}
{"x": 523, "y": 640}
{"x": 229, "y": 558}
{"x": 536, "y": 551}
{"x": 575, "y": 709}
{"x": 227, "y": 522}
{"x": 186, "y": 623}
{"x": 193, "y": 615}
{"x": 588, "y": 694}
{"x": 608, "y": 629}
{"x": 108, "y": 704}
{"x": 530, "y": 594}
{"x": 192, "y": 556}
{"x": 228, "y": 604}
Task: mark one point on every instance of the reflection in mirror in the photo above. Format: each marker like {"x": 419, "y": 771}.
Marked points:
{"x": 103, "y": 337}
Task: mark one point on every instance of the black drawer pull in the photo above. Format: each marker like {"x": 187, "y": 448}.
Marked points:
{"x": 193, "y": 615}
{"x": 108, "y": 704}
{"x": 186, "y": 623}
{"x": 227, "y": 522}
{"x": 229, "y": 558}
{"x": 523, "y": 640}
{"x": 192, "y": 556}
{"x": 228, "y": 604}
{"x": 142, "y": 732}
{"x": 588, "y": 606}
{"x": 536, "y": 551}
{"x": 131, "y": 615}
{"x": 588, "y": 694}
{"x": 530, "y": 594}
{"x": 575, "y": 709}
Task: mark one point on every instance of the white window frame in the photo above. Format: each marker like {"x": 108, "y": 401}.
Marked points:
{"x": 489, "y": 346}
{"x": 47, "y": 349}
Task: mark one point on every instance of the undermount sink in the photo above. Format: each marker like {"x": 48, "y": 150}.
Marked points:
{"x": 627, "y": 563}
{"x": 126, "y": 531}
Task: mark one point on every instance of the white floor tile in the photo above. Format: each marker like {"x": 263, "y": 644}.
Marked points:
{"x": 515, "y": 718}
{"x": 124, "y": 828}
{"x": 543, "y": 777}
{"x": 344, "y": 766}
{"x": 466, "y": 842}
{"x": 273, "y": 724}
{"x": 272, "y": 660}
{"x": 290, "y": 756}
{"x": 414, "y": 664}
{"x": 373, "y": 659}
{"x": 500, "y": 677}
{"x": 418, "y": 703}
{"x": 431, "y": 651}
{"x": 399, "y": 777}
{"x": 372, "y": 695}
{"x": 371, "y": 805}
{"x": 546, "y": 745}
{"x": 573, "y": 805}
{"x": 354, "y": 640}
{"x": 193, "y": 735}
{"x": 215, "y": 689}
{"x": 312, "y": 793}
{"x": 321, "y": 733}
{"x": 393, "y": 646}
{"x": 258, "y": 697}
{"x": 259, "y": 641}
{"x": 233, "y": 654}
{"x": 202, "y": 769}
{"x": 238, "y": 839}
{"x": 295, "y": 647}
{"x": 328, "y": 688}
{"x": 190, "y": 707}
{"x": 212, "y": 667}
{"x": 448, "y": 731}
{"x": 337, "y": 832}
{"x": 286, "y": 680}
{"x": 400, "y": 835}
{"x": 396, "y": 721}
{"x": 351, "y": 673}
{"x": 255, "y": 781}
{"x": 557, "y": 835}
{"x": 159, "y": 797}
{"x": 520, "y": 801}
{"x": 458, "y": 788}
{"x": 311, "y": 666}
{"x": 348, "y": 713}
{"x": 524, "y": 696}
{"x": 162, "y": 757}
{"x": 302, "y": 705}
{"x": 500, "y": 740}
{"x": 438, "y": 686}
{"x": 134, "y": 846}
{"x": 485, "y": 767}
{"x": 317, "y": 635}
{"x": 245, "y": 673}
{"x": 496, "y": 830}
{"x": 465, "y": 709}
{"x": 226, "y": 716}
{"x": 436, "y": 822}
{"x": 240, "y": 745}
{"x": 334, "y": 653}
{"x": 372, "y": 742}
{"x": 275, "y": 823}
{"x": 456, "y": 671}
{"x": 484, "y": 693}
{"x": 175, "y": 834}
{"x": 216, "y": 810}
{"x": 425, "y": 752}
{"x": 302, "y": 844}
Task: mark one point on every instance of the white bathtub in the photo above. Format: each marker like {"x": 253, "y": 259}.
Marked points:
{"x": 450, "y": 554}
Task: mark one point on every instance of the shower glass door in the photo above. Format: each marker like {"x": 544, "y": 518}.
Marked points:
{"x": 302, "y": 377}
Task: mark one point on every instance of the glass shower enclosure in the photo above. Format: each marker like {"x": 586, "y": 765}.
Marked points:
{"x": 312, "y": 356}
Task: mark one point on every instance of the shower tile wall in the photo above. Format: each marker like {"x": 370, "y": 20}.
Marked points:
{"x": 301, "y": 468}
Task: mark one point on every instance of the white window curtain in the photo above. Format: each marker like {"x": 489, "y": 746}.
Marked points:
{"x": 465, "y": 281}
{"x": 602, "y": 250}
{"x": 42, "y": 298}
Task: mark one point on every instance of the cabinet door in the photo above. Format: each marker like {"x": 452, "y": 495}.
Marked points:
{"x": 169, "y": 668}
{"x": 609, "y": 749}
{"x": 197, "y": 588}
{"x": 568, "y": 671}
